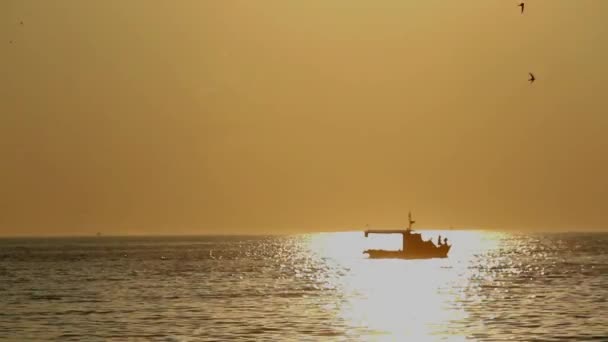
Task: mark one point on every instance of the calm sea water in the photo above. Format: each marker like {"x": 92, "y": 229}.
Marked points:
{"x": 306, "y": 288}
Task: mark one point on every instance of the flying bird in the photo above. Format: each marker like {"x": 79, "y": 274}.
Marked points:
{"x": 532, "y": 78}
{"x": 522, "y": 5}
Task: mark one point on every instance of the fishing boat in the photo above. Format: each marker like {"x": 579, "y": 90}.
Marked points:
{"x": 413, "y": 245}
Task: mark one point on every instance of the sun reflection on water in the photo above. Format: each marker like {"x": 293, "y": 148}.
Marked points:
{"x": 518, "y": 287}
{"x": 401, "y": 299}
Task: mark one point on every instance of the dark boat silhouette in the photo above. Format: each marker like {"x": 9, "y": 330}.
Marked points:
{"x": 413, "y": 246}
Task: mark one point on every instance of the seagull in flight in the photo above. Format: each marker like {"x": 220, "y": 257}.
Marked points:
{"x": 532, "y": 78}
{"x": 522, "y": 5}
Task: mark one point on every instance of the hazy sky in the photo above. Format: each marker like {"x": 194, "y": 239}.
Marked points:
{"x": 199, "y": 116}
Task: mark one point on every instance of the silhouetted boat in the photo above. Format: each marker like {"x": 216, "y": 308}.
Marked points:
{"x": 413, "y": 246}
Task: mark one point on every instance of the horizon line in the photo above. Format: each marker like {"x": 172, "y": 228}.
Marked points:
{"x": 224, "y": 234}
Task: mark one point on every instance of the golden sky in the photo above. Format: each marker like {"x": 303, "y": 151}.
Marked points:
{"x": 145, "y": 116}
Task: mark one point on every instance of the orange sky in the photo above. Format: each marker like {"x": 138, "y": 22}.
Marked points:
{"x": 131, "y": 117}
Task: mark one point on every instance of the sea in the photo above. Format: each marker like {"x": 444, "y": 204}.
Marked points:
{"x": 312, "y": 287}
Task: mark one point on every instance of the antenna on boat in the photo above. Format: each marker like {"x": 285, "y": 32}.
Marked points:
{"x": 409, "y": 215}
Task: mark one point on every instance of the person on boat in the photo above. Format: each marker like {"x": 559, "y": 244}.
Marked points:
{"x": 439, "y": 240}
{"x": 445, "y": 241}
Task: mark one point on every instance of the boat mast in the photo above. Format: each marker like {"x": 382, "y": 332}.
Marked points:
{"x": 408, "y": 230}
{"x": 411, "y": 222}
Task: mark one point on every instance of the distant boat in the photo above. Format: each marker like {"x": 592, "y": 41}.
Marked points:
{"x": 413, "y": 246}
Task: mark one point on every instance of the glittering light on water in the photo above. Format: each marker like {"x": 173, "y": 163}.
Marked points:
{"x": 401, "y": 299}
{"x": 307, "y": 287}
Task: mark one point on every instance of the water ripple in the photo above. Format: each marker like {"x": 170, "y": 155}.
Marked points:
{"x": 493, "y": 287}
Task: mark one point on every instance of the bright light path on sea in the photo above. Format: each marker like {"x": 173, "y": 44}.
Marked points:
{"x": 398, "y": 300}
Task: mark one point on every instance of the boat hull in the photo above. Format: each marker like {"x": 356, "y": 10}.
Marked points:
{"x": 438, "y": 252}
